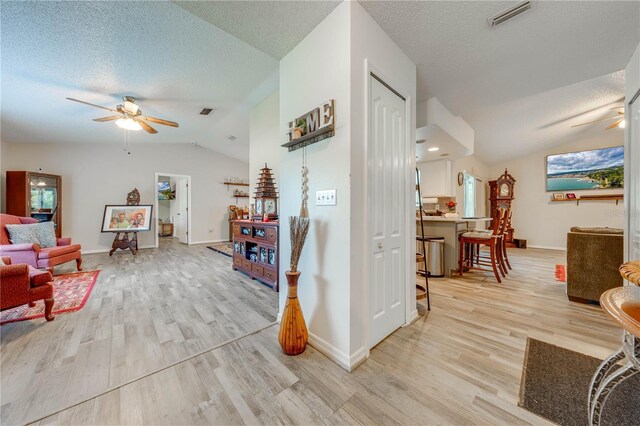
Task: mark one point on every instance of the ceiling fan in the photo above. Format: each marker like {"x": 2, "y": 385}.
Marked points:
{"x": 619, "y": 119}
{"x": 130, "y": 116}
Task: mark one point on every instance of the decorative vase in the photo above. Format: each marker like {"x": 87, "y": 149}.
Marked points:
{"x": 293, "y": 334}
{"x": 297, "y": 133}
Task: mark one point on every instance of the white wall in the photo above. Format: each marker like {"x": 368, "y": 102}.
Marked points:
{"x": 543, "y": 223}
{"x": 317, "y": 70}
{"x": 265, "y": 140}
{"x": 97, "y": 174}
{"x": 330, "y": 64}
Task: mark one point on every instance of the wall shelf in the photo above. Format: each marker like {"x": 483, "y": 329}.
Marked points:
{"x": 235, "y": 184}
{"x": 617, "y": 198}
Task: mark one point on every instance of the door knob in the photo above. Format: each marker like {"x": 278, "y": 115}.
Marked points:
{"x": 380, "y": 245}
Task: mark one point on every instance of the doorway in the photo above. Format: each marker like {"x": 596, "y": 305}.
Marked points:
{"x": 173, "y": 207}
{"x": 387, "y": 171}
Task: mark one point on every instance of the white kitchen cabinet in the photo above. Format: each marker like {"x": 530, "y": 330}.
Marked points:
{"x": 435, "y": 178}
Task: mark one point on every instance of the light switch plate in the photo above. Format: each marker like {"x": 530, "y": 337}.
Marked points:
{"x": 326, "y": 197}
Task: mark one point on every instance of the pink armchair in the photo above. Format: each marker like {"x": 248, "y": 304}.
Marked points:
{"x": 22, "y": 284}
{"x": 33, "y": 254}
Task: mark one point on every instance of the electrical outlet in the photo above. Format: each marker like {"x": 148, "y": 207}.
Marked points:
{"x": 326, "y": 197}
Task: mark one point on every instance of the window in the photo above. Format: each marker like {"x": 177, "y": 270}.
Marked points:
{"x": 469, "y": 196}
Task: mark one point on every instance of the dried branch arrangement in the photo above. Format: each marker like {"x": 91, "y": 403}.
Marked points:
{"x": 299, "y": 227}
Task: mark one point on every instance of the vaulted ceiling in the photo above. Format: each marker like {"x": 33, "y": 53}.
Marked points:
{"x": 173, "y": 62}
{"x": 520, "y": 81}
{"x": 516, "y": 82}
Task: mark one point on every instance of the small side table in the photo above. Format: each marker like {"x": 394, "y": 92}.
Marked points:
{"x": 166, "y": 230}
{"x": 622, "y": 304}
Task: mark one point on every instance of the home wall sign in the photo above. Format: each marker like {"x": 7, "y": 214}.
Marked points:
{"x": 314, "y": 126}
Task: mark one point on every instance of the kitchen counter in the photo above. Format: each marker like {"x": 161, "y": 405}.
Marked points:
{"x": 450, "y": 229}
{"x": 454, "y": 219}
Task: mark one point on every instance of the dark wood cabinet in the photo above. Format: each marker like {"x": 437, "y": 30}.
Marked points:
{"x": 255, "y": 250}
{"x": 36, "y": 195}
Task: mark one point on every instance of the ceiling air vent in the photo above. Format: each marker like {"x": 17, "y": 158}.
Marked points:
{"x": 231, "y": 138}
{"x": 508, "y": 13}
{"x": 206, "y": 111}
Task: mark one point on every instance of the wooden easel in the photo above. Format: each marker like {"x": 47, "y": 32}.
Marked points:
{"x": 122, "y": 241}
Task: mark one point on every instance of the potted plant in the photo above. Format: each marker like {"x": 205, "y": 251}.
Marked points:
{"x": 300, "y": 128}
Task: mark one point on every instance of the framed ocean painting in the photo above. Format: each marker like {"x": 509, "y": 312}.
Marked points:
{"x": 593, "y": 169}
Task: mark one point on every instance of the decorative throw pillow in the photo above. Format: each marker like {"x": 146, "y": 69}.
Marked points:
{"x": 46, "y": 234}
{"x": 21, "y": 234}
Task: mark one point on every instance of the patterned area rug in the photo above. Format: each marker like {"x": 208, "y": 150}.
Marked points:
{"x": 70, "y": 292}
{"x": 561, "y": 273}
{"x": 225, "y": 248}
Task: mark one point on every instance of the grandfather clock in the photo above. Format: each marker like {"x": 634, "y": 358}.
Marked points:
{"x": 501, "y": 196}
{"x": 266, "y": 196}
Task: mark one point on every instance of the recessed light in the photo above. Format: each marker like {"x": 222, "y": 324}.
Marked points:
{"x": 433, "y": 149}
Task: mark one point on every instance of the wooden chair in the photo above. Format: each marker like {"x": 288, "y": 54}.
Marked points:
{"x": 470, "y": 243}
{"x": 507, "y": 226}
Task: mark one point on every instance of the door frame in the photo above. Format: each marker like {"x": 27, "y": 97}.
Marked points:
{"x": 631, "y": 222}
{"x": 410, "y": 231}
{"x": 155, "y": 202}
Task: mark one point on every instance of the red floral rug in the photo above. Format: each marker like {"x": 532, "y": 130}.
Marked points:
{"x": 70, "y": 292}
{"x": 561, "y": 273}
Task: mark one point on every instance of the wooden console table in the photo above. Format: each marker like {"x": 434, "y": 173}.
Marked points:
{"x": 255, "y": 250}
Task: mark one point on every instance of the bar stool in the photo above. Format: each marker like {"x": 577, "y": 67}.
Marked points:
{"x": 421, "y": 291}
{"x": 467, "y": 256}
{"x": 623, "y": 305}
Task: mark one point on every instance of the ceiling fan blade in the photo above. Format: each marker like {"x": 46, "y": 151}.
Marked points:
{"x": 615, "y": 124}
{"x": 145, "y": 126}
{"x": 93, "y": 105}
{"x": 111, "y": 118}
{"x": 595, "y": 121}
{"x": 159, "y": 121}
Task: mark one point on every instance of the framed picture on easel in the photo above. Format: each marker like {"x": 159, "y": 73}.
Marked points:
{"x": 124, "y": 218}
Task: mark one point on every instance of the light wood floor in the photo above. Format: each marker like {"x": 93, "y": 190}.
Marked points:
{"x": 461, "y": 363}
{"x": 145, "y": 313}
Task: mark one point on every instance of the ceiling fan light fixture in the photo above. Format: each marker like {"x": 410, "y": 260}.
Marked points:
{"x": 128, "y": 124}
{"x": 622, "y": 124}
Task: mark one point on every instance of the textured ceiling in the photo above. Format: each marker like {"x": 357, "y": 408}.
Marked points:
{"x": 482, "y": 74}
{"x": 172, "y": 61}
{"x": 275, "y": 27}
{"x": 542, "y": 121}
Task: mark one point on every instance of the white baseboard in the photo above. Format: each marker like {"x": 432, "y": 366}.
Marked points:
{"x": 107, "y": 250}
{"x": 548, "y": 248}
{"x": 208, "y": 242}
{"x": 413, "y": 316}
{"x": 345, "y": 361}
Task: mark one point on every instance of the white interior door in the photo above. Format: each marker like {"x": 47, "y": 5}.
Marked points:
{"x": 387, "y": 172}
{"x": 182, "y": 201}
{"x": 632, "y": 190}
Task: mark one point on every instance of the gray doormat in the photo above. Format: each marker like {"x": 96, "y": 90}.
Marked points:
{"x": 555, "y": 385}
